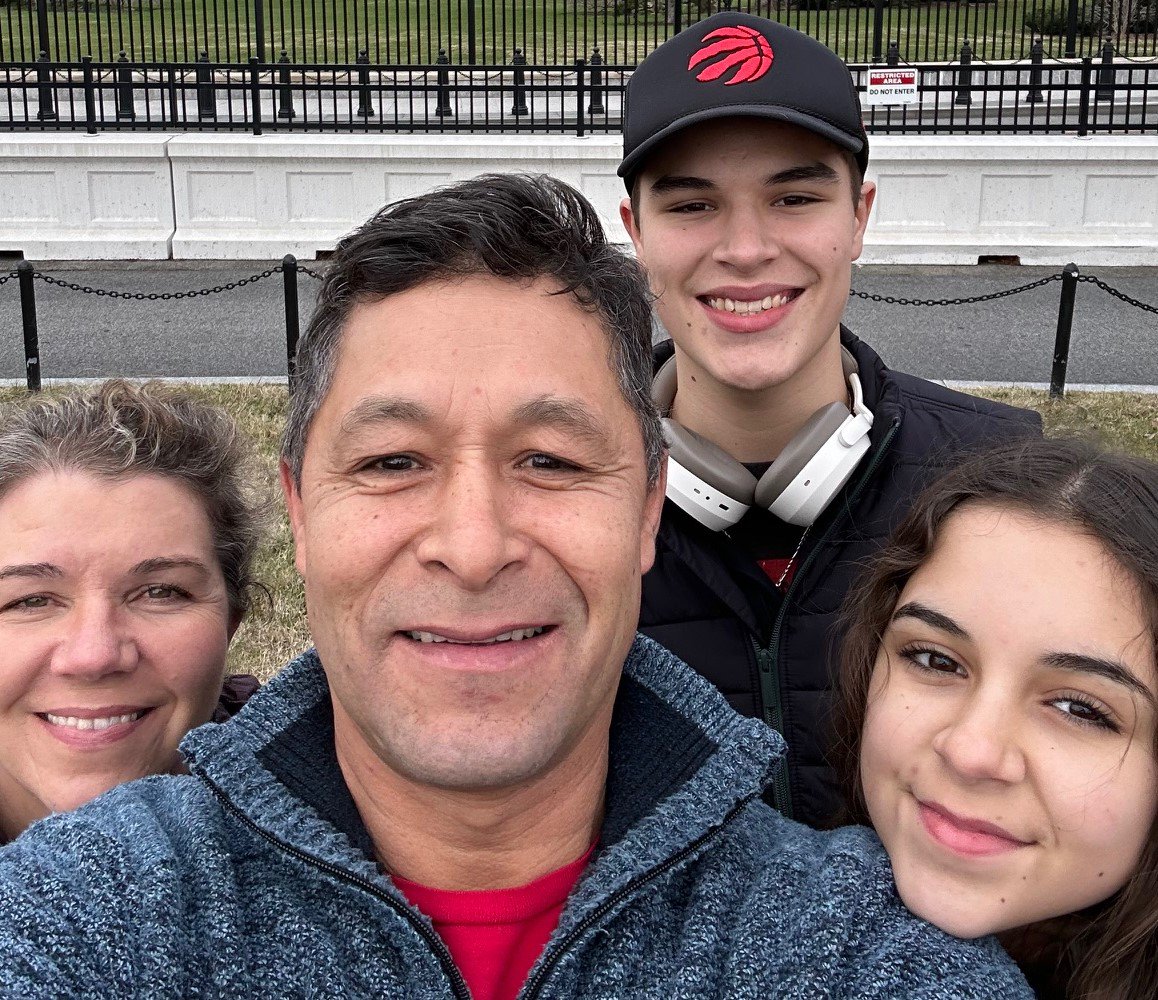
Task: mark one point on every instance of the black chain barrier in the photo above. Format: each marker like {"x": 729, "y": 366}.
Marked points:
{"x": 893, "y": 301}
{"x": 290, "y": 269}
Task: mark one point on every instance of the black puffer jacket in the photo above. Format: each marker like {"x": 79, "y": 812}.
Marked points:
{"x": 774, "y": 657}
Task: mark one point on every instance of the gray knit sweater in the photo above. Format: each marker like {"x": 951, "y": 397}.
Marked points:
{"x": 251, "y": 877}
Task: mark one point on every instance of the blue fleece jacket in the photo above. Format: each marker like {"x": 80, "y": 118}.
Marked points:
{"x": 252, "y": 876}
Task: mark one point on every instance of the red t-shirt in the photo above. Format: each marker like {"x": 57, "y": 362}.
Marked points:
{"x": 496, "y": 935}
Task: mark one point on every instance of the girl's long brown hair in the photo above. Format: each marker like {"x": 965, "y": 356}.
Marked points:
{"x": 1109, "y": 952}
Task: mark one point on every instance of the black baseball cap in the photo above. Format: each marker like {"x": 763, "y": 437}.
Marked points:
{"x": 736, "y": 64}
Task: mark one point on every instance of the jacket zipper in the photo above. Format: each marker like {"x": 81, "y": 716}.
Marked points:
{"x": 534, "y": 986}
{"x": 767, "y": 657}
{"x": 441, "y": 952}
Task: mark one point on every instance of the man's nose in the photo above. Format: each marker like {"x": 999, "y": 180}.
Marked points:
{"x": 472, "y": 533}
{"x": 96, "y": 641}
{"x": 746, "y": 241}
{"x": 982, "y": 743}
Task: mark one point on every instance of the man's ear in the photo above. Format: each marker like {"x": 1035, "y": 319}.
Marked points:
{"x": 627, "y": 217}
{"x": 864, "y": 207}
{"x": 293, "y": 503}
{"x": 653, "y": 508}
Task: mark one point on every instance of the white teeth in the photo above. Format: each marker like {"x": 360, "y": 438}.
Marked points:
{"x": 751, "y": 308}
{"x": 512, "y": 636}
{"x": 72, "y": 722}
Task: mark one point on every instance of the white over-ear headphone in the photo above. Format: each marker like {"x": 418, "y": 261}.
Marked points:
{"x": 717, "y": 491}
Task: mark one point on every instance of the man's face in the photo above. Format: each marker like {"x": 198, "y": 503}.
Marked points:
{"x": 472, "y": 524}
{"x": 748, "y": 231}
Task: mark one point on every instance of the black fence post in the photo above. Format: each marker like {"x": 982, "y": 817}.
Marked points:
{"x": 43, "y": 35}
{"x": 1065, "y": 323}
{"x": 519, "y": 107}
{"x": 596, "y": 106}
{"x": 1072, "y": 30}
{"x": 285, "y": 92}
{"x": 1105, "y": 91}
{"x": 893, "y": 58}
{"x": 289, "y": 281}
{"x": 125, "y": 110}
{"x": 878, "y": 29}
{"x": 90, "y": 122}
{"x": 443, "y": 109}
{"x": 471, "y": 32}
{"x": 259, "y": 27}
{"x": 1036, "y": 58}
{"x": 580, "y": 118}
{"x": 171, "y": 74}
{"x": 365, "y": 108}
{"x": 25, "y": 271}
{"x": 206, "y": 88}
{"x": 255, "y": 94}
{"x": 965, "y": 76}
{"x": 1084, "y": 97}
{"x": 45, "y": 94}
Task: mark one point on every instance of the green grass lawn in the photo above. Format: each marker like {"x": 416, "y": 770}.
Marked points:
{"x": 548, "y": 31}
{"x": 277, "y": 630}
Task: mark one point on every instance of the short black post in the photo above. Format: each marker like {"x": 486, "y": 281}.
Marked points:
{"x": 893, "y": 58}
{"x": 206, "y": 88}
{"x": 89, "y": 95}
{"x": 289, "y": 281}
{"x": 43, "y": 35}
{"x": 25, "y": 271}
{"x": 580, "y": 79}
{"x": 125, "y": 110}
{"x": 1105, "y": 91}
{"x": 878, "y": 29}
{"x": 1084, "y": 97}
{"x": 1036, "y": 58}
{"x": 45, "y": 94}
{"x": 285, "y": 94}
{"x": 1065, "y": 322}
{"x": 596, "y": 106}
{"x": 965, "y": 76}
{"x": 1072, "y": 30}
{"x": 520, "y": 105}
{"x": 443, "y": 108}
{"x": 365, "y": 108}
{"x": 255, "y": 93}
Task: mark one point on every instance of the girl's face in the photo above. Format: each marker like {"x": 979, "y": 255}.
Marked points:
{"x": 114, "y": 622}
{"x": 1008, "y": 755}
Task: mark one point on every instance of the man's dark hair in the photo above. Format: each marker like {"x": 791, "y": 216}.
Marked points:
{"x": 513, "y": 226}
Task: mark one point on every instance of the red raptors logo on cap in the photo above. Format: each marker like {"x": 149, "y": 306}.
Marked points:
{"x": 741, "y": 46}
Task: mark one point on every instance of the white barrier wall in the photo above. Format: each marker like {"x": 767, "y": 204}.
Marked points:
{"x": 941, "y": 200}
{"x": 70, "y": 196}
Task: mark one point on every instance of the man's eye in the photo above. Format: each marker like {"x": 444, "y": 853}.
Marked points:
{"x": 795, "y": 200}
{"x": 541, "y": 462}
{"x": 690, "y": 207}
{"x": 391, "y": 463}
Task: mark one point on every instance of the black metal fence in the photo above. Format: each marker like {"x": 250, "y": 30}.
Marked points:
{"x": 549, "y": 32}
{"x": 1037, "y": 96}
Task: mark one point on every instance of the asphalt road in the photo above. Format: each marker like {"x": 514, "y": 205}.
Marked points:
{"x": 242, "y": 332}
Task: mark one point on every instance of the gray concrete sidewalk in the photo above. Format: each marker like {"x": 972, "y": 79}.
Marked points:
{"x": 242, "y": 334}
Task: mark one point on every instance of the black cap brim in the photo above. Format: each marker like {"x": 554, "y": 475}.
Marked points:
{"x": 632, "y": 163}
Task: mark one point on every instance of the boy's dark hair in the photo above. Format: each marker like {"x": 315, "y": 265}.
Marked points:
{"x": 512, "y": 226}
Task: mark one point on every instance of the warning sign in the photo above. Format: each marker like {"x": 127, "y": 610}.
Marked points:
{"x": 891, "y": 86}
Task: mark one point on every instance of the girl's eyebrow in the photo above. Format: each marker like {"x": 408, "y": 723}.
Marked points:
{"x": 932, "y": 617}
{"x": 1111, "y": 670}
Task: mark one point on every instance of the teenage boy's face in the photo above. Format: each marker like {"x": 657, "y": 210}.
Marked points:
{"x": 748, "y": 230}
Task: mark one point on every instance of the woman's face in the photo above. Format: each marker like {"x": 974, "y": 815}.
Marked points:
{"x": 114, "y": 623}
{"x": 1008, "y": 756}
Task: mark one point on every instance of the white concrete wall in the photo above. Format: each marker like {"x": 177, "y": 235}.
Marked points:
{"x": 72, "y": 196}
{"x": 1048, "y": 199}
